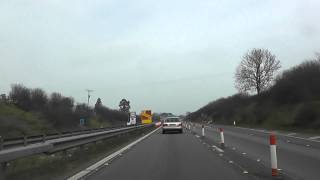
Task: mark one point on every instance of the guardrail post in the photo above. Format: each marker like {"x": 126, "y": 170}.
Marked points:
{"x": 2, "y": 170}
{"x": 4, "y": 165}
{"x": 273, "y": 153}
{"x": 1, "y": 143}
{"x": 81, "y": 147}
{"x": 44, "y": 138}
{"x": 25, "y": 140}
{"x": 222, "y": 137}
{"x": 65, "y": 154}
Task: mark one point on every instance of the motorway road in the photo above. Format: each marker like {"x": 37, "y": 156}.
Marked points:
{"x": 299, "y": 158}
{"x": 180, "y": 156}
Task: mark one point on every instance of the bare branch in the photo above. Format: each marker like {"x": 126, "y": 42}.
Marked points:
{"x": 256, "y": 71}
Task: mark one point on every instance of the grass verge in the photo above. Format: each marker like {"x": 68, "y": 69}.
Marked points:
{"x": 67, "y": 163}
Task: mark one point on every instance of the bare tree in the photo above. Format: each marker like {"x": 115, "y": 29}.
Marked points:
{"x": 20, "y": 96}
{"x": 59, "y": 110}
{"x": 98, "y": 106}
{"x": 98, "y": 103}
{"x": 39, "y": 99}
{"x": 124, "y": 106}
{"x": 256, "y": 70}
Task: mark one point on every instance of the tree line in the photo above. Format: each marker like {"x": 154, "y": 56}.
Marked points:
{"x": 290, "y": 99}
{"x": 60, "y": 111}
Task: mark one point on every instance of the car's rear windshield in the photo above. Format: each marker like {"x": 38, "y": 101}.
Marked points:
{"x": 172, "y": 120}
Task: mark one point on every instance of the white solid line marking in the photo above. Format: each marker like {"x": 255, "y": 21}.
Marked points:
{"x": 85, "y": 172}
{"x": 291, "y": 134}
{"x": 300, "y": 138}
{"x": 267, "y": 132}
{"x": 218, "y": 149}
{"x": 314, "y": 138}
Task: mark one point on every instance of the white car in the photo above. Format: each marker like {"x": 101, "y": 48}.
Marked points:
{"x": 173, "y": 124}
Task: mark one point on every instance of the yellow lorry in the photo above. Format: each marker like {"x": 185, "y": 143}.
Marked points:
{"x": 146, "y": 117}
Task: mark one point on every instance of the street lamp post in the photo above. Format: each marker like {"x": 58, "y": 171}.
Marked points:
{"x": 89, "y": 91}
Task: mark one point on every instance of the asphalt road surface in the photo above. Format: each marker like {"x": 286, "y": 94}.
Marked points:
{"x": 182, "y": 156}
{"x": 299, "y": 158}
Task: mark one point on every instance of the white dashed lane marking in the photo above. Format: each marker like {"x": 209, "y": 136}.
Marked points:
{"x": 218, "y": 149}
{"x": 220, "y": 153}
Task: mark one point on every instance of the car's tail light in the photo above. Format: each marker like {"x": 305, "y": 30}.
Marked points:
{"x": 180, "y": 124}
{"x": 165, "y": 124}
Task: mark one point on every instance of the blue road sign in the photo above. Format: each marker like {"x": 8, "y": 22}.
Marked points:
{"x": 82, "y": 121}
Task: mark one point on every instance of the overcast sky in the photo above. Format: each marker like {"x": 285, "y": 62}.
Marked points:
{"x": 168, "y": 55}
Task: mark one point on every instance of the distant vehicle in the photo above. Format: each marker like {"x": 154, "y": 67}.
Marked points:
{"x": 172, "y": 124}
{"x": 158, "y": 124}
{"x": 132, "y": 119}
{"x": 146, "y": 117}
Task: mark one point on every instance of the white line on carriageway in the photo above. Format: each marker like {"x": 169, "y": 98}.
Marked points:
{"x": 218, "y": 149}
{"x": 105, "y": 161}
{"x": 291, "y": 135}
{"x": 314, "y": 138}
